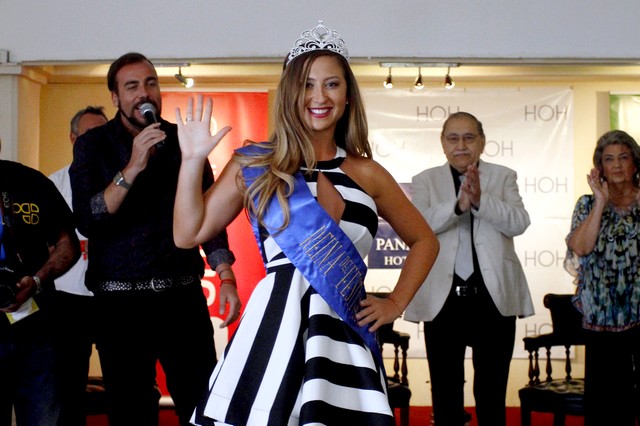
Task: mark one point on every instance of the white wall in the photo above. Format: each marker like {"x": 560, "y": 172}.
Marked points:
{"x": 41, "y": 30}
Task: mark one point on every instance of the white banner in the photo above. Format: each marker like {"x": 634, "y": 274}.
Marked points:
{"x": 529, "y": 130}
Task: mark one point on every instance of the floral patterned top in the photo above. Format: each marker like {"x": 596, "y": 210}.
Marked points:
{"x": 608, "y": 278}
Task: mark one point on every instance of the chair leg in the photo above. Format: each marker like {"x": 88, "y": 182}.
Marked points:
{"x": 558, "y": 419}
{"x": 525, "y": 416}
{"x": 404, "y": 416}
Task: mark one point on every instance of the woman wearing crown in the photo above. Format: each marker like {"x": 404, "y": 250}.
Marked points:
{"x": 305, "y": 350}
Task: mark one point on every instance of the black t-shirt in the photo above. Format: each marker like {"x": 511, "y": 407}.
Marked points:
{"x": 37, "y": 216}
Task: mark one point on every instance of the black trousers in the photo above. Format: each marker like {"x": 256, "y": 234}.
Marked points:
{"x": 138, "y": 329}
{"x": 75, "y": 327}
{"x": 612, "y": 378}
{"x": 472, "y": 321}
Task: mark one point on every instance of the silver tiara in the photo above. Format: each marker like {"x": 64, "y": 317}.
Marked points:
{"x": 319, "y": 38}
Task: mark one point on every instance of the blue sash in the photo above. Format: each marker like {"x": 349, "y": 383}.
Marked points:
{"x": 319, "y": 249}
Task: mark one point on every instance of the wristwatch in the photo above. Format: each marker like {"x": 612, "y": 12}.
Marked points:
{"x": 38, "y": 282}
{"x": 119, "y": 180}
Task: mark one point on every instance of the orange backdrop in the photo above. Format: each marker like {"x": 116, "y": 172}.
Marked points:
{"x": 247, "y": 114}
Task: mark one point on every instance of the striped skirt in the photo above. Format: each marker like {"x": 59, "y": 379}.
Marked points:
{"x": 293, "y": 361}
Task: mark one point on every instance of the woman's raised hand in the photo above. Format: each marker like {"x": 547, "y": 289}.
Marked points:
{"x": 598, "y": 185}
{"x": 194, "y": 132}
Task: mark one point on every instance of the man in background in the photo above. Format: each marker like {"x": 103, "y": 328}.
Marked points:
{"x": 75, "y": 313}
{"x": 148, "y": 292}
{"x": 477, "y": 287}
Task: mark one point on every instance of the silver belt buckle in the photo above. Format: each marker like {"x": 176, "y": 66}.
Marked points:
{"x": 161, "y": 284}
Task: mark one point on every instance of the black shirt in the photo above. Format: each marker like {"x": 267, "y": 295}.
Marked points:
{"x": 32, "y": 224}
{"x": 136, "y": 242}
{"x": 475, "y": 278}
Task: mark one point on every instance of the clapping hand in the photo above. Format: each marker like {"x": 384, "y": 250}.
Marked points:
{"x": 470, "y": 189}
{"x": 598, "y": 185}
{"x": 194, "y": 133}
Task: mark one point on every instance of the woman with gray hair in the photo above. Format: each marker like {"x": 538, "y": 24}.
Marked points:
{"x": 603, "y": 256}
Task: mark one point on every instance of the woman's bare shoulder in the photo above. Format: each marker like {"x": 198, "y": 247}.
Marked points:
{"x": 368, "y": 173}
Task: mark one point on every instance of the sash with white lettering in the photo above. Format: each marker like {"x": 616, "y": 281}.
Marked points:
{"x": 316, "y": 246}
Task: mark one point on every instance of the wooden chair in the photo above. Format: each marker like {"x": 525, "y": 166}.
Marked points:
{"x": 397, "y": 382}
{"x": 560, "y": 396}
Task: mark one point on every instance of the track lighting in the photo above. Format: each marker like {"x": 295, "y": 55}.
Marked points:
{"x": 186, "y": 81}
{"x": 418, "y": 83}
{"x": 388, "y": 83}
{"x": 448, "y": 81}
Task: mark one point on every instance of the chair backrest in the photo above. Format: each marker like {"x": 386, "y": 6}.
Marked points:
{"x": 565, "y": 317}
{"x": 567, "y": 331}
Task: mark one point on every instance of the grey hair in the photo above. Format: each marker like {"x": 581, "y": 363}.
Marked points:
{"x": 618, "y": 137}
{"x": 462, "y": 114}
{"x": 97, "y": 110}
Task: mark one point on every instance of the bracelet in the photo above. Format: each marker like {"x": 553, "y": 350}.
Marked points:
{"x": 38, "y": 282}
{"x": 229, "y": 282}
{"x": 224, "y": 270}
{"x": 395, "y": 303}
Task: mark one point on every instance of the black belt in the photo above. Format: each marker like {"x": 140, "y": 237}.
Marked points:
{"x": 155, "y": 284}
{"x": 465, "y": 290}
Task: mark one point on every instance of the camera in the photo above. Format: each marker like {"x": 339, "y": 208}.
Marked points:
{"x": 8, "y": 286}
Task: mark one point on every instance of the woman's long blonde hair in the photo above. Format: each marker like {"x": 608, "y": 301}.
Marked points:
{"x": 290, "y": 146}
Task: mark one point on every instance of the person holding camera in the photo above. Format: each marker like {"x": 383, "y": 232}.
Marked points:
{"x": 38, "y": 243}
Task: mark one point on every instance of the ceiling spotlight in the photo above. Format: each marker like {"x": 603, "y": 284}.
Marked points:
{"x": 418, "y": 83}
{"x": 388, "y": 83}
{"x": 186, "y": 81}
{"x": 448, "y": 81}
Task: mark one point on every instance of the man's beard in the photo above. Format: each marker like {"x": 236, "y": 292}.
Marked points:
{"x": 140, "y": 125}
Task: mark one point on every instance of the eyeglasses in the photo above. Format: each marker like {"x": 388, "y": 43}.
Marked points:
{"x": 454, "y": 138}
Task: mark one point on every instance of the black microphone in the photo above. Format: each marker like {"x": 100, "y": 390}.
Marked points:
{"x": 148, "y": 111}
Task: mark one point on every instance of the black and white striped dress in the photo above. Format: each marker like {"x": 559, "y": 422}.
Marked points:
{"x": 292, "y": 360}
